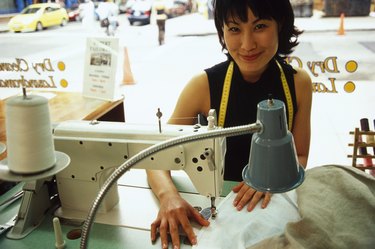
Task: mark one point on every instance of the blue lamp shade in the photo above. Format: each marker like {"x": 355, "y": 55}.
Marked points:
{"x": 273, "y": 164}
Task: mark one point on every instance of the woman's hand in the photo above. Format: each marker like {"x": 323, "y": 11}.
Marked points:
{"x": 249, "y": 196}
{"x": 174, "y": 212}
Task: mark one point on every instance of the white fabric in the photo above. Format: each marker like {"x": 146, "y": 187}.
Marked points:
{"x": 234, "y": 229}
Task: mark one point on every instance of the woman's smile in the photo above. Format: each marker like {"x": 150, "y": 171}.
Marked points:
{"x": 250, "y": 57}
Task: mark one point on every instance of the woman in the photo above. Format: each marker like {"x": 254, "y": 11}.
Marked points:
{"x": 257, "y": 34}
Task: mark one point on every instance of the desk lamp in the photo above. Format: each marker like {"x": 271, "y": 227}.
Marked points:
{"x": 273, "y": 164}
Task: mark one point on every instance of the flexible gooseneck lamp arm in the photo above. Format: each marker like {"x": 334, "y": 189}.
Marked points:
{"x": 273, "y": 164}
{"x": 112, "y": 179}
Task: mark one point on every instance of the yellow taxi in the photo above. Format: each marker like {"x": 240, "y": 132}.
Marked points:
{"x": 36, "y": 17}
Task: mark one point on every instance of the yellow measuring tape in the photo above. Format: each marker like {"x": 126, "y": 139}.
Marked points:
{"x": 226, "y": 90}
{"x": 225, "y": 95}
{"x": 288, "y": 97}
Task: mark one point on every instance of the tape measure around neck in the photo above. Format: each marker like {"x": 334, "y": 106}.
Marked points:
{"x": 225, "y": 95}
{"x": 288, "y": 96}
{"x": 226, "y": 90}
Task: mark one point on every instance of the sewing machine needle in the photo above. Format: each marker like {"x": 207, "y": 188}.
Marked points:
{"x": 213, "y": 208}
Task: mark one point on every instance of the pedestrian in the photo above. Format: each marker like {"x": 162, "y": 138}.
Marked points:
{"x": 108, "y": 16}
{"x": 87, "y": 11}
{"x": 159, "y": 8}
{"x": 256, "y": 35}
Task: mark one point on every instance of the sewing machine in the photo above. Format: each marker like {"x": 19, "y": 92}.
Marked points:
{"x": 97, "y": 148}
{"x": 101, "y": 152}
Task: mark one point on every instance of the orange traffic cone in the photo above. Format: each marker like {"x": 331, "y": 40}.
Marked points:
{"x": 341, "y": 30}
{"x": 127, "y": 74}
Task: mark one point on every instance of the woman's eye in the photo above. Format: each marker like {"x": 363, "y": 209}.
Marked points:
{"x": 260, "y": 26}
{"x": 233, "y": 29}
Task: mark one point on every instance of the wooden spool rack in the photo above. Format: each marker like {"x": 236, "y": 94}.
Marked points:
{"x": 357, "y": 145}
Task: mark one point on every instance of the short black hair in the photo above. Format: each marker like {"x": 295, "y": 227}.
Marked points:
{"x": 279, "y": 10}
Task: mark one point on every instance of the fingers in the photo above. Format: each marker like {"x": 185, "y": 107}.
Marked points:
{"x": 163, "y": 230}
{"x": 199, "y": 218}
{"x": 236, "y": 188}
{"x": 250, "y": 197}
{"x": 169, "y": 227}
{"x": 247, "y": 195}
{"x": 154, "y": 228}
{"x": 256, "y": 196}
{"x": 175, "y": 236}
{"x": 186, "y": 226}
{"x": 244, "y": 194}
{"x": 168, "y": 231}
{"x": 266, "y": 200}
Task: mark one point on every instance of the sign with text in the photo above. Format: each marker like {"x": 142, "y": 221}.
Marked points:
{"x": 101, "y": 74}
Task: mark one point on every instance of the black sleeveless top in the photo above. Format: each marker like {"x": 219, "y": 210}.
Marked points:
{"x": 242, "y": 106}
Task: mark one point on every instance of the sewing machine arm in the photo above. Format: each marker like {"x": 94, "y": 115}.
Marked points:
{"x": 97, "y": 148}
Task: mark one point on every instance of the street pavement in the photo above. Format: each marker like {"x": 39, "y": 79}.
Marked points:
{"x": 316, "y": 23}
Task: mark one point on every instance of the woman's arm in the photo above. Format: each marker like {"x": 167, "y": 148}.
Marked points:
{"x": 193, "y": 100}
{"x": 301, "y": 126}
{"x": 175, "y": 211}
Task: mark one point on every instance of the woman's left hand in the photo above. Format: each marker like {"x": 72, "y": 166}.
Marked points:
{"x": 249, "y": 196}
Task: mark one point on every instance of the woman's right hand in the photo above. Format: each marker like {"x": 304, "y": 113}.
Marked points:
{"x": 175, "y": 212}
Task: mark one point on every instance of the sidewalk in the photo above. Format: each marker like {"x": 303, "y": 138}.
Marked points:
{"x": 196, "y": 24}
{"x": 319, "y": 23}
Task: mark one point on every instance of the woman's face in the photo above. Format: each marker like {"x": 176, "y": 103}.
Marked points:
{"x": 252, "y": 44}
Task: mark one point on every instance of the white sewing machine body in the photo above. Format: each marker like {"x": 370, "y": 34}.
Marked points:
{"x": 97, "y": 148}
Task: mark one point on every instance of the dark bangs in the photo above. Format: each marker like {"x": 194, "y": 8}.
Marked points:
{"x": 238, "y": 10}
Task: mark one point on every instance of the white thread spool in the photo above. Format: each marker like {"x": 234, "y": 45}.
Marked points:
{"x": 29, "y": 135}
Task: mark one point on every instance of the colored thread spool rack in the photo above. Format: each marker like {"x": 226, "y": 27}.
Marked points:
{"x": 359, "y": 145}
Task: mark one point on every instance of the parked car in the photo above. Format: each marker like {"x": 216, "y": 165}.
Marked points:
{"x": 74, "y": 13}
{"x": 36, "y": 17}
{"x": 140, "y": 11}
